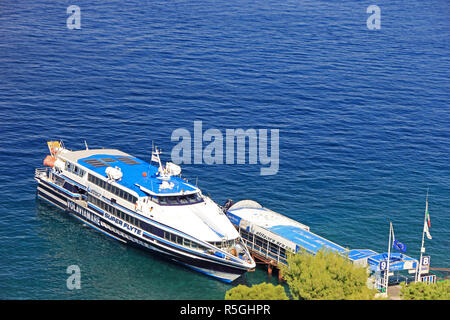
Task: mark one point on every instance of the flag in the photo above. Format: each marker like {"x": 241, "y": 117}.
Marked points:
{"x": 392, "y": 230}
{"x": 427, "y": 231}
{"x": 397, "y": 245}
{"x": 154, "y": 157}
{"x": 427, "y": 223}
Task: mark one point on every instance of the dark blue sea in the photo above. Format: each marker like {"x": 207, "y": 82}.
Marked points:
{"x": 363, "y": 118}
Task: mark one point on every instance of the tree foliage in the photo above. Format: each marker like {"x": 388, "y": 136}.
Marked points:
{"x": 326, "y": 276}
{"x": 422, "y": 291}
{"x": 262, "y": 291}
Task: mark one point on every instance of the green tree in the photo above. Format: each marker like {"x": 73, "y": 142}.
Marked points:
{"x": 262, "y": 291}
{"x": 326, "y": 276}
{"x": 422, "y": 291}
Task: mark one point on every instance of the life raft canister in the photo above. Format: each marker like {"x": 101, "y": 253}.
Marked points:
{"x": 49, "y": 161}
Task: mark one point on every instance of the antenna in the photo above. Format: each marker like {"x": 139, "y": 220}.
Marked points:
{"x": 156, "y": 158}
{"x": 155, "y": 154}
{"x": 85, "y": 143}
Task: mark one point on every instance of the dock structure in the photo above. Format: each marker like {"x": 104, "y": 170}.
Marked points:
{"x": 269, "y": 236}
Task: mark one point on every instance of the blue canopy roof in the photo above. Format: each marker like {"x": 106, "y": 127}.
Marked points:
{"x": 358, "y": 254}
{"x": 305, "y": 239}
{"x": 397, "y": 262}
{"x": 312, "y": 243}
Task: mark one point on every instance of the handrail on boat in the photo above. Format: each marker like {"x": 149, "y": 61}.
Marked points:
{"x": 39, "y": 171}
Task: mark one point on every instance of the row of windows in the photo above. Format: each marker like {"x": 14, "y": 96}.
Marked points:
{"x": 223, "y": 244}
{"x": 74, "y": 169}
{"x": 177, "y": 200}
{"x": 143, "y": 225}
{"x": 111, "y": 188}
{"x": 182, "y": 241}
{"x": 116, "y": 212}
{"x": 263, "y": 244}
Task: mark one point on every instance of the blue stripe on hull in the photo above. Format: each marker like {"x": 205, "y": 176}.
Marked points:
{"x": 207, "y": 273}
{"x": 98, "y": 229}
{"x": 60, "y": 206}
{"x": 43, "y": 197}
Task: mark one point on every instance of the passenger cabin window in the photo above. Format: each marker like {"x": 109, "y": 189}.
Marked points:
{"x": 70, "y": 167}
{"x": 113, "y": 189}
{"x": 177, "y": 200}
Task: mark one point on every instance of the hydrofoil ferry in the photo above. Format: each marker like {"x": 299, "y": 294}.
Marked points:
{"x": 144, "y": 205}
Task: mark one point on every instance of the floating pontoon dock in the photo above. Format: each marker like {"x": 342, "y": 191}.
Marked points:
{"x": 269, "y": 235}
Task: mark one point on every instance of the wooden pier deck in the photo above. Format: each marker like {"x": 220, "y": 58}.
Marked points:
{"x": 270, "y": 263}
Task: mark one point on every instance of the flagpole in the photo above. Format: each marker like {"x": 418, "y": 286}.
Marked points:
{"x": 422, "y": 249}
{"x": 389, "y": 259}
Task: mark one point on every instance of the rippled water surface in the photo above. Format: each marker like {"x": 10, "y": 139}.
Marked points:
{"x": 363, "y": 117}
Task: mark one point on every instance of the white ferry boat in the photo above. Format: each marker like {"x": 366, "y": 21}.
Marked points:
{"x": 147, "y": 206}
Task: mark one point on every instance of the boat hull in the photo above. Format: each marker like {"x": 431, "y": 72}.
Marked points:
{"x": 99, "y": 221}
